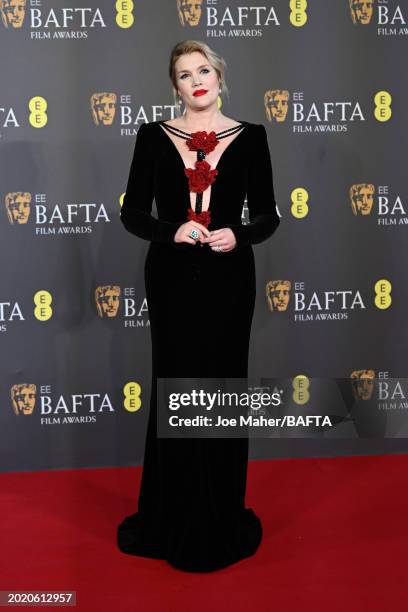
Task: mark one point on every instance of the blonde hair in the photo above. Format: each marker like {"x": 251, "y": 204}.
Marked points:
{"x": 214, "y": 59}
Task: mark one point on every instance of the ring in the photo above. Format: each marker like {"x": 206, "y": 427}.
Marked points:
{"x": 194, "y": 234}
{"x": 218, "y": 249}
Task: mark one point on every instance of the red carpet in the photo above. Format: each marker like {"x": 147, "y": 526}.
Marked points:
{"x": 335, "y": 539}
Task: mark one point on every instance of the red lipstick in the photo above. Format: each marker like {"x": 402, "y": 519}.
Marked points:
{"x": 200, "y": 92}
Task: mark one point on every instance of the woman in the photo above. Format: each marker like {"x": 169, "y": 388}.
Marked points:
{"x": 200, "y": 290}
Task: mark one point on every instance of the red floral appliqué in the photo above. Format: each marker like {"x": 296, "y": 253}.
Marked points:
{"x": 202, "y": 140}
{"x": 204, "y": 217}
{"x": 200, "y": 177}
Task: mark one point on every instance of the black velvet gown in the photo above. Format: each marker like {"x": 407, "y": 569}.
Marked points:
{"x": 191, "y": 508}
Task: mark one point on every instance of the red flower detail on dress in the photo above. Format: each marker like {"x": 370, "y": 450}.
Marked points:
{"x": 200, "y": 177}
{"x": 202, "y": 140}
{"x": 204, "y": 217}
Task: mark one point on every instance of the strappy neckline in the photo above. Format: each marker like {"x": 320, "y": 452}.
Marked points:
{"x": 244, "y": 125}
{"x": 219, "y": 135}
{"x": 236, "y": 136}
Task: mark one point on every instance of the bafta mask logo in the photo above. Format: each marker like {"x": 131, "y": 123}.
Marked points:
{"x": 189, "y": 12}
{"x": 362, "y": 197}
{"x": 103, "y": 107}
{"x": 107, "y": 300}
{"x": 276, "y": 104}
{"x": 361, "y": 12}
{"x": 18, "y": 206}
{"x": 277, "y": 294}
{"x": 363, "y": 383}
{"x": 12, "y": 12}
{"x": 23, "y": 398}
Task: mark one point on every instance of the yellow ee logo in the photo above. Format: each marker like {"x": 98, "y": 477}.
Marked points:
{"x": 124, "y": 13}
{"x": 298, "y": 16}
{"x": 38, "y": 117}
{"x": 42, "y": 301}
{"x": 299, "y": 198}
{"x": 382, "y": 106}
{"x": 383, "y": 298}
{"x": 301, "y": 386}
{"x": 131, "y": 392}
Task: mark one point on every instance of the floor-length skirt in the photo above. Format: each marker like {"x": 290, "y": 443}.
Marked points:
{"x": 191, "y": 508}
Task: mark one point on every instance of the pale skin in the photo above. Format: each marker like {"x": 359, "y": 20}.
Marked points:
{"x": 194, "y": 71}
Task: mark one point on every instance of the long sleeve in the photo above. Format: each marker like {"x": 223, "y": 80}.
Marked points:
{"x": 263, "y": 215}
{"x": 135, "y": 213}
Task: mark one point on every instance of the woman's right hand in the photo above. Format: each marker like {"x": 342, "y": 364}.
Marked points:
{"x": 183, "y": 232}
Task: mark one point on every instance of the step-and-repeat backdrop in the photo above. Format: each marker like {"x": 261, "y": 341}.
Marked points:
{"x": 327, "y": 79}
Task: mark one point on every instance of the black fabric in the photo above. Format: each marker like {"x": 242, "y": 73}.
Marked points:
{"x": 191, "y": 508}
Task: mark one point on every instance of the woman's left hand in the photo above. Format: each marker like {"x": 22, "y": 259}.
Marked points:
{"x": 224, "y": 238}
